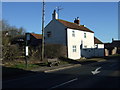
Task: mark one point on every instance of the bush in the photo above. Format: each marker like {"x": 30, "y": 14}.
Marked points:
{"x": 55, "y": 51}
{"x": 10, "y": 52}
{"x": 35, "y": 53}
{"x": 51, "y": 51}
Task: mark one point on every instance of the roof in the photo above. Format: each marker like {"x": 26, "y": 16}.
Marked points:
{"x": 74, "y": 26}
{"x": 115, "y": 43}
{"x": 37, "y": 36}
{"x": 97, "y": 41}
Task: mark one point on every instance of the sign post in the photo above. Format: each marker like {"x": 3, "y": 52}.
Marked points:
{"x": 26, "y": 56}
{"x": 27, "y": 38}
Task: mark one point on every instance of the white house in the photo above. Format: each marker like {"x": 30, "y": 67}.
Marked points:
{"x": 99, "y": 48}
{"x": 76, "y": 37}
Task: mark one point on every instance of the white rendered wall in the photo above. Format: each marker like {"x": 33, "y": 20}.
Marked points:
{"x": 79, "y": 37}
{"x": 58, "y": 33}
{"x": 100, "y": 45}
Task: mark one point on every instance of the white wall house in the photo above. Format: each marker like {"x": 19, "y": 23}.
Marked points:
{"x": 76, "y": 37}
{"x": 99, "y": 48}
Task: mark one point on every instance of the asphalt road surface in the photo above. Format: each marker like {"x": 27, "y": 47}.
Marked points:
{"x": 76, "y": 77}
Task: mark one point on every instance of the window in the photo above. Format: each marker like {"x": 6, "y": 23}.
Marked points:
{"x": 48, "y": 34}
{"x": 84, "y": 35}
{"x": 73, "y": 33}
{"x": 74, "y": 48}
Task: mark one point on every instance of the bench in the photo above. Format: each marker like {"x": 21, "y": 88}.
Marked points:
{"x": 53, "y": 61}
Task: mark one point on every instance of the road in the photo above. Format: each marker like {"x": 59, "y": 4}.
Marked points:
{"x": 76, "y": 77}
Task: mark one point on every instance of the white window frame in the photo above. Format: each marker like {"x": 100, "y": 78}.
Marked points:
{"x": 74, "y": 48}
{"x": 73, "y": 33}
{"x": 85, "y": 35}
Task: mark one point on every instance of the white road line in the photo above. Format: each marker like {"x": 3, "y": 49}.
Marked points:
{"x": 64, "y": 83}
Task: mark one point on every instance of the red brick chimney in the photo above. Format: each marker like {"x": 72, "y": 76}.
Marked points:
{"x": 77, "y": 21}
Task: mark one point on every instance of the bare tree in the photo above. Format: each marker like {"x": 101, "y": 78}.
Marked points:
{"x": 21, "y": 31}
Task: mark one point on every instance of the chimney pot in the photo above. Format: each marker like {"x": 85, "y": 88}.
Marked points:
{"x": 77, "y": 21}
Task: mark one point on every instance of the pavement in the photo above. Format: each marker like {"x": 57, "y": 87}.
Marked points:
{"x": 55, "y": 68}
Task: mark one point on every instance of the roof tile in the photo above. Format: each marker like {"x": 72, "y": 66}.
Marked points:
{"x": 74, "y": 26}
{"x": 97, "y": 41}
{"x": 37, "y": 36}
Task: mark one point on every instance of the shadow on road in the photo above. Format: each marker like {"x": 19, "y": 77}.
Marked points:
{"x": 9, "y": 73}
{"x": 112, "y": 57}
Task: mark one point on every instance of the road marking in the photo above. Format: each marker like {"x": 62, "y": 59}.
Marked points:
{"x": 96, "y": 71}
{"x": 64, "y": 83}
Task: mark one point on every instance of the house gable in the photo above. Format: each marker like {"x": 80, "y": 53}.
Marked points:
{"x": 57, "y": 33}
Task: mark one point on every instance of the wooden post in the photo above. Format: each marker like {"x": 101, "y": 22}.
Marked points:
{"x": 43, "y": 14}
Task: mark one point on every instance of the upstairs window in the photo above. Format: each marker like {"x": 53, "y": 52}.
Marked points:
{"x": 74, "y": 48}
{"x": 84, "y": 35}
{"x": 73, "y": 33}
{"x": 49, "y": 34}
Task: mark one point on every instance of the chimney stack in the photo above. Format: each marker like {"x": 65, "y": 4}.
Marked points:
{"x": 77, "y": 21}
{"x": 54, "y": 15}
{"x": 112, "y": 39}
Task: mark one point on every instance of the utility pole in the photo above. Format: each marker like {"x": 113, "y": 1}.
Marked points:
{"x": 43, "y": 15}
{"x": 58, "y": 9}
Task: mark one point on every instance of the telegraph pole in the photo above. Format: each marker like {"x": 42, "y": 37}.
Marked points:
{"x": 43, "y": 15}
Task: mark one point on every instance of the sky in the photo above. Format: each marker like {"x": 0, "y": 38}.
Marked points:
{"x": 100, "y": 17}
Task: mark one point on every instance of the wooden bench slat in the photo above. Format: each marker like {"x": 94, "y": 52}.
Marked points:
{"x": 53, "y": 62}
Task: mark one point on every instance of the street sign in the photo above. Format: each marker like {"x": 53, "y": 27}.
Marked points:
{"x": 28, "y": 36}
{"x": 26, "y": 51}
